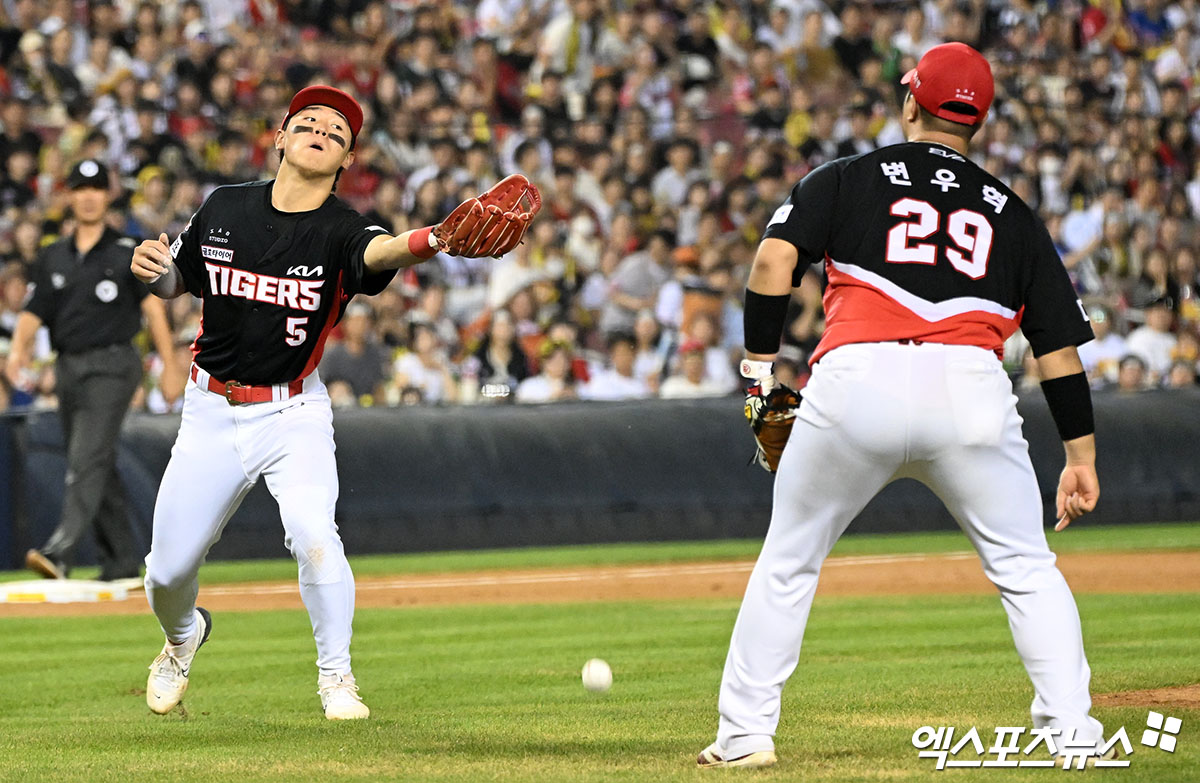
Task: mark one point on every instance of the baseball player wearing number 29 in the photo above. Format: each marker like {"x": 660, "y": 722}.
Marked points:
{"x": 275, "y": 264}
{"x": 932, "y": 263}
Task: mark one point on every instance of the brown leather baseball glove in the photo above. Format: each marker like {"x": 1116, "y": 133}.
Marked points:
{"x": 771, "y": 411}
{"x": 493, "y": 223}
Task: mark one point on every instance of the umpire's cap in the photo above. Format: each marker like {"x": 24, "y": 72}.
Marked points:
{"x": 954, "y": 82}
{"x": 88, "y": 173}
{"x": 324, "y": 95}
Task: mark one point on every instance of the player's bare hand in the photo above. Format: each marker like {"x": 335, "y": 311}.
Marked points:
{"x": 14, "y": 372}
{"x": 151, "y": 259}
{"x": 1078, "y": 491}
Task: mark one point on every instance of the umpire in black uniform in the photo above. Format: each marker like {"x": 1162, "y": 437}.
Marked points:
{"x": 93, "y": 305}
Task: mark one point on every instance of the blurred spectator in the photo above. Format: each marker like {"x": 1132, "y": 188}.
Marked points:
{"x": 1186, "y": 276}
{"x": 356, "y": 359}
{"x": 1153, "y": 341}
{"x": 689, "y": 380}
{"x": 555, "y": 382}
{"x": 860, "y": 140}
{"x": 498, "y": 365}
{"x": 1131, "y": 376}
{"x": 652, "y": 129}
{"x": 853, "y": 44}
{"x": 1187, "y": 348}
{"x": 1102, "y": 355}
{"x": 915, "y": 38}
{"x": 790, "y": 368}
{"x": 718, "y": 363}
{"x": 14, "y": 283}
{"x": 652, "y": 349}
{"x": 1182, "y": 375}
{"x": 425, "y": 367}
{"x": 150, "y": 211}
{"x": 1154, "y": 283}
{"x": 617, "y": 381}
{"x": 635, "y": 283}
{"x": 670, "y": 185}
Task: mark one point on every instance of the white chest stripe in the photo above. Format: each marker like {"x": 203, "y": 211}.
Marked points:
{"x": 930, "y": 311}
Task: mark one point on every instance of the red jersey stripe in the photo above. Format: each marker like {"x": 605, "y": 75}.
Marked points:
{"x": 857, "y": 311}
{"x": 335, "y": 313}
{"x": 195, "y": 346}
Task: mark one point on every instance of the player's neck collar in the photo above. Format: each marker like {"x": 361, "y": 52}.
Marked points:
{"x": 919, "y": 140}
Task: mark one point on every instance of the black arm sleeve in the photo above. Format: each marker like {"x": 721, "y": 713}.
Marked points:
{"x": 1070, "y": 402}
{"x": 351, "y": 247}
{"x": 1054, "y": 317}
{"x": 806, "y": 218}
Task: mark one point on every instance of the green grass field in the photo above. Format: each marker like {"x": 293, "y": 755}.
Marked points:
{"x": 493, "y": 693}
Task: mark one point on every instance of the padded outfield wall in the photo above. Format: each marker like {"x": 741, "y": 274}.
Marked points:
{"x": 426, "y": 478}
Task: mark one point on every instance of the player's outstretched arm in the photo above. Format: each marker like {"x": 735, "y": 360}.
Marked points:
{"x": 398, "y": 252}
{"x": 1070, "y": 401}
{"x": 153, "y": 265}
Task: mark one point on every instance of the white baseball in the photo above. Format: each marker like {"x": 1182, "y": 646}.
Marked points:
{"x": 597, "y": 676}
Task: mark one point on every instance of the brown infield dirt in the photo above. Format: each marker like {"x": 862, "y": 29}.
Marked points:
{"x": 950, "y": 573}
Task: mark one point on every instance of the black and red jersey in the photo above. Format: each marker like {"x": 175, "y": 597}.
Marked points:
{"x": 273, "y": 283}
{"x": 920, "y": 243}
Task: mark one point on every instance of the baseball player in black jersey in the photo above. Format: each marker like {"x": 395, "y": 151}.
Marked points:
{"x": 931, "y": 264}
{"x": 275, "y": 264}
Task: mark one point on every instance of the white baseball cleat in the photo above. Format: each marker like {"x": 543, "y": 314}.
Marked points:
{"x": 713, "y": 757}
{"x": 339, "y": 697}
{"x": 169, "y": 673}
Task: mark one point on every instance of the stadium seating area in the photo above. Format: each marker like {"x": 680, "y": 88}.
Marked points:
{"x": 663, "y": 134}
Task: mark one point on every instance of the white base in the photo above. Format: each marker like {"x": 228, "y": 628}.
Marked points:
{"x": 66, "y": 591}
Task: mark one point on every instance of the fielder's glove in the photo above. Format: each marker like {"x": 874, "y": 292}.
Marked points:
{"x": 493, "y": 223}
{"x": 770, "y": 411}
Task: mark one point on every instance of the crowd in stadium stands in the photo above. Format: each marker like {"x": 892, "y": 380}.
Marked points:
{"x": 662, "y": 133}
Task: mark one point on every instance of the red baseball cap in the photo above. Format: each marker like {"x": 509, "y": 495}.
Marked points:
{"x": 952, "y": 73}
{"x": 338, "y": 100}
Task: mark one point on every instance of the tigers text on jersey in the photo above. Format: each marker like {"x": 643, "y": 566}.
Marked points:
{"x": 273, "y": 283}
{"x": 919, "y": 243}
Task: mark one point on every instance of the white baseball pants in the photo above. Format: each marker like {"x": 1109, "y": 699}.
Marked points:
{"x": 220, "y": 453}
{"x": 946, "y": 416}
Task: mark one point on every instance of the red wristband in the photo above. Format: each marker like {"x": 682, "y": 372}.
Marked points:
{"x": 418, "y": 243}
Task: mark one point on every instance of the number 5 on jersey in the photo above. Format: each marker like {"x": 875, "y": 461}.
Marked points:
{"x": 296, "y": 333}
{"x": 970, "y": 231}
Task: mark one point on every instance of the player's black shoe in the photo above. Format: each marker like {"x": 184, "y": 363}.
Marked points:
{"x": 46, "y": 565}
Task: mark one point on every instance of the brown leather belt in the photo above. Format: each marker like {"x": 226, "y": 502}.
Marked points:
{"x": 240, "y": 394}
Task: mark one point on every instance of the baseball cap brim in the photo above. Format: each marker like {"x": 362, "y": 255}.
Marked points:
{"x": 323, "y": 95}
